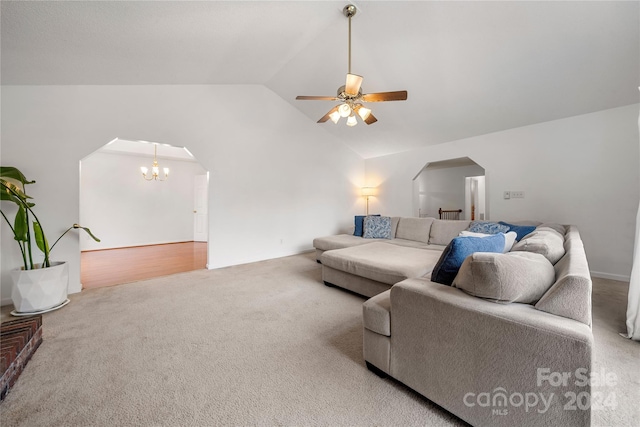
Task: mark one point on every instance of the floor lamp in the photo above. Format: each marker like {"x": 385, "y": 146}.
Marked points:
{"x": 366, "y": 192}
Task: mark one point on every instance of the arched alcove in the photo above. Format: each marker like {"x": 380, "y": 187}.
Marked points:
{"x": 450, "y": 185}
{"x": 126, "y": 211}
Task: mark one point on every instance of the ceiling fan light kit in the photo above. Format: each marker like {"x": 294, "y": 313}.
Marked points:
{"x": 350, "y": 95}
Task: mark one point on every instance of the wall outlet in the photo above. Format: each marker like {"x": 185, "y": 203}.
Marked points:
{"x": 517, "y": 194}
{"x": 507, "y": 195}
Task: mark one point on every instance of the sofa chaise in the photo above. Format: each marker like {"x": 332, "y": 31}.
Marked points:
{"x": 496, "y": 348}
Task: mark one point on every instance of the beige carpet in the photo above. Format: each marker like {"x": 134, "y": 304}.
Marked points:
{"x": 259, "y": 344}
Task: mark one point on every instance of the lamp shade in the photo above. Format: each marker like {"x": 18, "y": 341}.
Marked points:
{"x": 369, "y": 191}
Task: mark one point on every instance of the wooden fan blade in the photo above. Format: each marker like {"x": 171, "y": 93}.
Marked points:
{"x": 317, "y": 98}
{"x": 326, "y": 116}
{"x": 354, "y": 82}
{"x": 400, "y": 95}
{"x": 371, "y": 119}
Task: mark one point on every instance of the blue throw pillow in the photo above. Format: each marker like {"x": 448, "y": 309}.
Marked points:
{"x": 359, "y": 223}
{"x": 487, "y": 227}
{"x": 377, "y": 227}
{"x": 457, "y": 250}
{"x": 521, "y": 230}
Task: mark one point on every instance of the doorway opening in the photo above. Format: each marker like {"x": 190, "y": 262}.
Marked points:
{"x": 148, "y": 227}
{"x": 451, "y": 185}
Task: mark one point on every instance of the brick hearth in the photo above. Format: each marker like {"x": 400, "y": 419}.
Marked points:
{"x": 19, "y": 339}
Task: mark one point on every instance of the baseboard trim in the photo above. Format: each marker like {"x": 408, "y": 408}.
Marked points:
{"x": 6, "y": 301}
{"x": 610, "y": 276}
{"x": 251, "y": 261}
{"x": 140, "y": 245}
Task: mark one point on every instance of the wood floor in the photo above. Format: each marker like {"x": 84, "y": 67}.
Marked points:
{"x": 117, "y": 266}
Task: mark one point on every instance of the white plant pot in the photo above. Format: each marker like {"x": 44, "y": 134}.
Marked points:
{"x": 41, "y": 289}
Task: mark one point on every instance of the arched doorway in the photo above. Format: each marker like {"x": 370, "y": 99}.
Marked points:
{"x": 451, "y": 185}
{"x": 148, "y": 227}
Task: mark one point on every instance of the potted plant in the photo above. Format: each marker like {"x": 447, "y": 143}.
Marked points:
{"x": 37, "y": 287}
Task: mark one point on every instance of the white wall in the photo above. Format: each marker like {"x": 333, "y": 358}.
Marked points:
{"x": 123, "y": 209}
{"x": 481, "y": 211}
{"x": 277, "y": 179}
{"x": 581, "y": 170}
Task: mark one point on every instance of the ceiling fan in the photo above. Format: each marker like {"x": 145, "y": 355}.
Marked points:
{"x": 351, "y": 95}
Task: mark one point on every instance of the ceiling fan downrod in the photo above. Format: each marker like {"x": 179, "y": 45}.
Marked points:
{"x": 349, "y": 11}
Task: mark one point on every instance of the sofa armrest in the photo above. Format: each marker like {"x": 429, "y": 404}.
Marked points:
{"x": 459, "y": 350}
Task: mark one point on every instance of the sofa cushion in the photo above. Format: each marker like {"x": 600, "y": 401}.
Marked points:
{"x": 410, "y": 243}
{"x": 338, "y": 241}
{"x": 443, "y": 231}
{"x": 512, "y": 277}
{"x": 359, "y": 224}
{"x": 395, "y": 220}
{"x": 377, "y": 227}
{"x": 546, "y": 242}
{"x": 414, "y": 229}
{"x": 521, "y": 230}
{"x": 509, "y": 238}
{"x": 376, "y": 313}
{"x": 382, "y": 262}
{"x": 460, "y": 248}
{"x": 487, "y": 227}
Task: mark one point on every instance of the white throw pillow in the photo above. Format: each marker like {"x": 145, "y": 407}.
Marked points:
{"x": 509, "y": 238}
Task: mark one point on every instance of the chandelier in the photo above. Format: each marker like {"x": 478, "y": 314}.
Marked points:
{"x": 155, "y": 169}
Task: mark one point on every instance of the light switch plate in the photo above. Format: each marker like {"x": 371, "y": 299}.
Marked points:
{"x": 507, "y": 195}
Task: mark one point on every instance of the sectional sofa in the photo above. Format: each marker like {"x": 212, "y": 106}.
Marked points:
{"x": 508, "y": 342}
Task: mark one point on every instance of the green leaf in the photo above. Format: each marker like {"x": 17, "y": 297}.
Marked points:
{"x": 9, "y": 189}
{"x": 7, "y": 195}
{"x": 41, "y": 240}
{"x": 88, "y": 232}
{"x": 20, "y": 225}
{"x": 14, "y": 173}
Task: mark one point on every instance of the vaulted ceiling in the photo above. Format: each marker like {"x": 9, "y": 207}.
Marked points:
{"x": 470, "y": 68}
